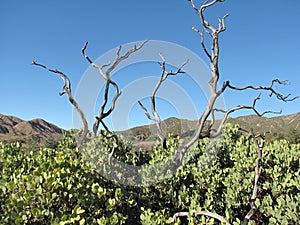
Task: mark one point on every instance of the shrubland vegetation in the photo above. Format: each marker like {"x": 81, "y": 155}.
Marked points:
{"x": 58, "y": 186}
{"x": 239, "y": 178}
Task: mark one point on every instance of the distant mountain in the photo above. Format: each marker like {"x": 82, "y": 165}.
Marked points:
{"x": 280, "y": 126}
{"x": 39, "y": 133}
{"x": 36, "y": 132}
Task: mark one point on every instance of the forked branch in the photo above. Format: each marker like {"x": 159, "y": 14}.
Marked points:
{"x": 285, "y": 98}
{"x": 211, "y": 30}
{"x": 105, "y": 71}
{"x": 67, "y": 90}
{"x": 156, "y": 118}
{"x": 252, "y": 107}
{"x": 214, "y": 66}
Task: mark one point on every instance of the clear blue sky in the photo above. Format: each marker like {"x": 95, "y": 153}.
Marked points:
{"x": 261, "y": 43}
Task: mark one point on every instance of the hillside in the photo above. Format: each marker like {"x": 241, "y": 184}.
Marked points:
{"x": 39, "y": 133}
{"x": 279, "y": 126}
{"x": 36, "y": 132}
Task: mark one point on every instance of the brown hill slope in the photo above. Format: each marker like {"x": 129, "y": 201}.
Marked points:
{"x": 35, "y": 132}
{"x": 38, "y": 132}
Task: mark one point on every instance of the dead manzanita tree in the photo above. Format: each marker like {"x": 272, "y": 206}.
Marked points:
{"x": 202, "y": 130}
{"x": 105, "y": 71}
{"x": 210, "y": 110}
{"x": 215, "y": 92}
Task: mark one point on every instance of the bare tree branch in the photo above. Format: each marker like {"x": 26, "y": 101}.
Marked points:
{"x": 213, "y": 55}
{"x": 209, "y": 214}
{"x": 213, "y": 83}
{"x": 202, "y": 41}
{"x": 146, "y": 111}
{"x": 67, "y": 90}
{"x": 156, "y": 118}
{"x": 106, "y": 74}
{"x": 268, "y": 88}
{"x": 205, "y": 23}
{"x": 236, "y": 108}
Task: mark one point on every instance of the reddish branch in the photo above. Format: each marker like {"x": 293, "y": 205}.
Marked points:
{"x": 67, "y": 90}
{"x": 156, "y": 117}
{"x": 105, "y": 72}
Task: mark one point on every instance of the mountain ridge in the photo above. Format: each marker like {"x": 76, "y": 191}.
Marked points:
{"x": 279, "y": 126}
{"x": 40, "y": 133}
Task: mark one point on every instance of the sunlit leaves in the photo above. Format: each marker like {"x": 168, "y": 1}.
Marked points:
{"x": 57, "y": 186}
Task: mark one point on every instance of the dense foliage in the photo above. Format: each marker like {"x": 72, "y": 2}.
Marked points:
{"x": 58, "y": 186}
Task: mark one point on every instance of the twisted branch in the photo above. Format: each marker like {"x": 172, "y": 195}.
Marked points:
{"x": 213, "y": 56}
{"x": 156, "y": 117}
{"x": 214, "y": 65}
{"x": 67, "y": 90}
{"x": 202, "y": 42}
{"x": 233, "y": 109}
{"x": 268, "y": 88}
{"x": 106, "y": 74}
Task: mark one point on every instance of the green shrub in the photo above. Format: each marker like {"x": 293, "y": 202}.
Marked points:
{"x": 58, "y": 186}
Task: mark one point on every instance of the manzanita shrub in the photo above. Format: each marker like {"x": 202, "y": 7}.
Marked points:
{"x": 59, "y": 186}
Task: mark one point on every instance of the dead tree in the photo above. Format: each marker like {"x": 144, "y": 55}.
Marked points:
{"x": 215, "y": 93}
{"x": 106, "y": 74}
